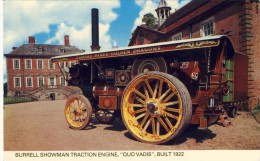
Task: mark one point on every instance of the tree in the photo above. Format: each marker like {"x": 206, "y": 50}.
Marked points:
{"x": 149, "y": 20}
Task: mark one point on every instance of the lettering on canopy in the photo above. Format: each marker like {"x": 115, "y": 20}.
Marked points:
{"x": 142, "y": 50}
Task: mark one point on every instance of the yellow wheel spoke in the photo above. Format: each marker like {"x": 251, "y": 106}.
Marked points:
{"x": 160, "y": 88}
{"x": 172, "y": 116}
{"x": 139, "y": 111}
{"x": 140, "y": 100}
{"x": 80, "y": 104}
{"x": 153, "y": 125}
{"x": 164, "y": 125}
{"x": 158, "y": 127}
{"x": 136, "y": 105}
{"x": 140, "y": 116}
{"x": 171, "y": 103}
{"x": 147, "y": 124}
{"x": 80, "y": 119}
{"x": 173, "y": 110}
{"x": 72, "y": 107}
{"x": 161, "y": 98}
{"x": 146, "y": 92}
{"x": 144, "y": 120}
{"x": 155, "y": 89}
{"x": 168, "y": 122}
{"x": 149, "y": 87}
{"x": 139, "y": 93}
{"x": 170, "y": 96}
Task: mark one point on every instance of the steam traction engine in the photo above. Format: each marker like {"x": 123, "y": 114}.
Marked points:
{"x": 157, "y": 89}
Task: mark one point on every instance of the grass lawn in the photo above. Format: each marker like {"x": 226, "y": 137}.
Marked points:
{"x": 12, "y": 100}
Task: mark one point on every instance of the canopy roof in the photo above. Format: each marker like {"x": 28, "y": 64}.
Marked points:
{"x": 184, "y": 45}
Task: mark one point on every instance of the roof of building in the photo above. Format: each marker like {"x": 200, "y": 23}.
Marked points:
{"x": 42, "y": 50}
{"x": 163, "y": 4}
{"x": 194, "y": 4}
{"x": 143, "y": 27}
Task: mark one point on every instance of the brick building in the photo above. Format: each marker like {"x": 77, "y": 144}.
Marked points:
{"x": 30, "y": 71}
{"x": 240, "y": 20}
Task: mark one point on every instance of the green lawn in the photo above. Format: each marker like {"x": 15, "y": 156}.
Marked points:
{"x": 12, "y": 100}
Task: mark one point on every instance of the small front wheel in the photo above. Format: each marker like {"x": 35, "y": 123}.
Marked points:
{"x": 78, "y": 112}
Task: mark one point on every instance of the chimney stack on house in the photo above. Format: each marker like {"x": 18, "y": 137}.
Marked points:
{"x": 95, "y": 30}
{"x": 66, "y": 40}
{"x": 31, "y": 40}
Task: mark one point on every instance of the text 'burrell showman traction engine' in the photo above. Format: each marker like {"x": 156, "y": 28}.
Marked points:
{"x": 157, "y": 89}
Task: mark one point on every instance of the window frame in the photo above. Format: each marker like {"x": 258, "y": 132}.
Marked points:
{"x": 26, "y": 82}
{"x": 49, "y": 81}
{"x": 49, "y": 63}
{"x": 38, "y": 63}
{"x": 205, "y": 22}
{"x": 38, "y": 81}
{"x": 177, "y": 35}
{"x": 18, "y": 64}
{"x": 20, "y": 80}
{"x": 64, "y": 65}
{"x": 61, "y": 77}
{"x": 25, "y": 60}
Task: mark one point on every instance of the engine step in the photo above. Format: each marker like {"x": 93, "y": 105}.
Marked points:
{"x": 224, "y": 118}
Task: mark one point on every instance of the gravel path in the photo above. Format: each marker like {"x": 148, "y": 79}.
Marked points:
{"x": 42, "y": 126}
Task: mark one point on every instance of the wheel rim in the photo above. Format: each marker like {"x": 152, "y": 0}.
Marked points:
{"x": 152, "y": 108}
{"x": 76, "y": 112}
{"x": 105, "y": 116}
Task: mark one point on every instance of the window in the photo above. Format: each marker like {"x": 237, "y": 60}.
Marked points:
{"x": 40, "y": 49}
{"x": 62, "y": 65}
{"x": 177, "y": 36}
{"x": 62, "y": 81}
{"x": 17, "y": 82}
{"x": 28, "y": 63}
{"x": 62, "y": 50}
{"x": 40, "y": 64}
{"x": 52, "y": 81}
{"x": 40, "y": 81}
{"x": 16, "y": 63}
{"x": 51, "y": 65}
{"x": 207, "y": 27}
{"x": 29, "y": 82}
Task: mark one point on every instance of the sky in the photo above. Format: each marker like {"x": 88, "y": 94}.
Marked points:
{"x": 48, "y": 21}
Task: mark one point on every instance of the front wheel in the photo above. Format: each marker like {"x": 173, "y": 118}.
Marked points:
{"x": 156, "y": 107}
{"x": 78, "y": 112}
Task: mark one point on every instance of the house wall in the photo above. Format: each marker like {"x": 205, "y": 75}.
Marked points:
{"x": 254, "y": 55}
{"x": 242, "y": 22}
{"x": 34, "y": 72}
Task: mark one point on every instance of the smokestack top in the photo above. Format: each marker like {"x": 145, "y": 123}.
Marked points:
{"x": 31, "y": 40}
{"x": 66, "y": 40}
{"x": 95, "y": 30}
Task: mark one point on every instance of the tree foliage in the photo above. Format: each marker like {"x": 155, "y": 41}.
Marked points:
{"x": 149, "y": 20}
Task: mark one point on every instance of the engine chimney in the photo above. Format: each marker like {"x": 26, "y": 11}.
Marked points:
{"x": 95, "y": 30}
{"x": 31, "y": 40}
{"x": 66, "y": 40}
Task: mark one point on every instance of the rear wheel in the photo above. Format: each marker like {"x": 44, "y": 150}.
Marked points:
{"x": 78, "y": 111}
{"x": 156, "y": 107}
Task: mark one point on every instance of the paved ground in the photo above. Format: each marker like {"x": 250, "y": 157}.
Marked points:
{"x": 42, "y": 126}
